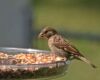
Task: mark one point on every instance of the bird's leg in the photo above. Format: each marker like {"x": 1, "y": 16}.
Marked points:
{"x": 69, "y": 56}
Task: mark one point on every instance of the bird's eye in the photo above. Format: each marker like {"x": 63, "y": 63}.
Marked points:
{"x": 46, "y": 32}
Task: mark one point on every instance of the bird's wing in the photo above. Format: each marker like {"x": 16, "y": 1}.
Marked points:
{"x": 61, "y": 43}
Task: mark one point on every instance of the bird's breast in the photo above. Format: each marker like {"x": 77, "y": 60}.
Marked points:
{"x": 51, "y": 44}
{"x": 53, "y": 48}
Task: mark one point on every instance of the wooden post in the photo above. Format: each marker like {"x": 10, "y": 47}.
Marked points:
{"x": 15, "y": 23}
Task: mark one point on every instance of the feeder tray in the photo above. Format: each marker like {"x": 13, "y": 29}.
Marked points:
{"x": 20, "y": 63}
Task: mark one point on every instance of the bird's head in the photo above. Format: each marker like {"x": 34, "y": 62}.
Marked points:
{"x": 47, "y": 32}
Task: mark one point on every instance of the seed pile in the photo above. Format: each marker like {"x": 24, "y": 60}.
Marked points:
{"x": 29, "y": 58}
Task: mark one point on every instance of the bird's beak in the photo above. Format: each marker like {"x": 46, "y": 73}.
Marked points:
{"x": 40, "y": 35}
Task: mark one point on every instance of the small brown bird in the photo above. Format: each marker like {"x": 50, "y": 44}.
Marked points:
{"x": 62, "y": 47}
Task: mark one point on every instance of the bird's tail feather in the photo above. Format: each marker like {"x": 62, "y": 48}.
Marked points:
{"x": 86, "y": 61}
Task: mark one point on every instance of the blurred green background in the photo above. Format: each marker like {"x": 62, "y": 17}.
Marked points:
{"x": 76, "y": 16}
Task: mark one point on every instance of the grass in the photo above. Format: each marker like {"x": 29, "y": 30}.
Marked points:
{"x": 72, "y": 18}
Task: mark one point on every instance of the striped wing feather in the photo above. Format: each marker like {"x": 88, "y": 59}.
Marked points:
{"x": 61, "y": 43}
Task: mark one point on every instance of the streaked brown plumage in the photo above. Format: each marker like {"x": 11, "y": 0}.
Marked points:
{"x": 62, "y": 47}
